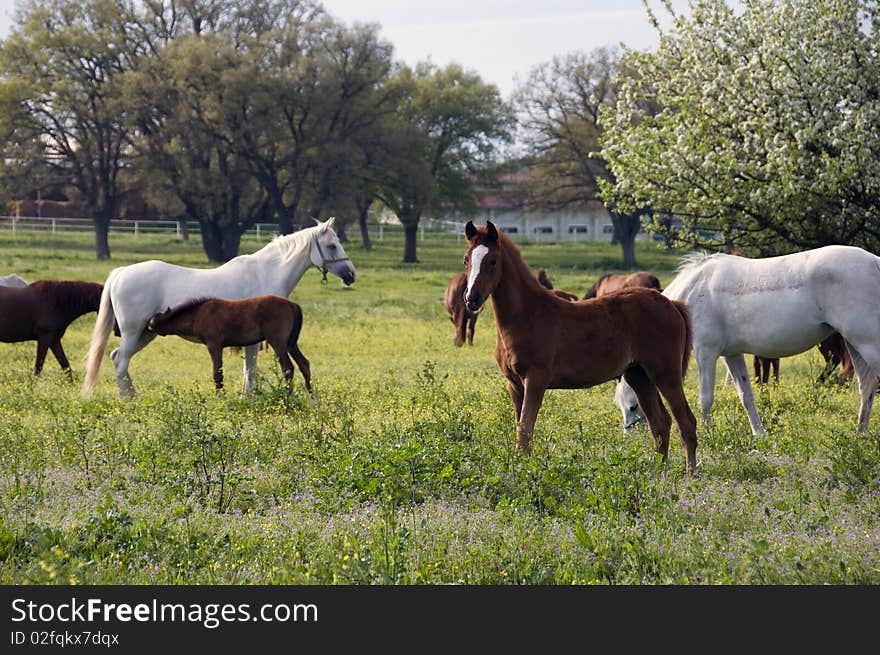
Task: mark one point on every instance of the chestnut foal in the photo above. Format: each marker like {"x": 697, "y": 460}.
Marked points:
{"x": 220, "y": 323}
{"x": 544, "y": 342}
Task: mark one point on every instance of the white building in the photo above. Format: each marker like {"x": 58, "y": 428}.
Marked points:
{"x": 504, "y": 206}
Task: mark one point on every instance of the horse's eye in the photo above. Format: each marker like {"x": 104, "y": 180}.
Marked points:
{"x": 633, "y": 408}
{"x": 332, "y": 246}
{"x": 465, "y": 260}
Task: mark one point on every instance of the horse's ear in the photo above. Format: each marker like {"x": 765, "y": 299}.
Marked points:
{"x": 470, "y": 231}
{"x": 329, "y": 223}
{"x": 491, "y": 232}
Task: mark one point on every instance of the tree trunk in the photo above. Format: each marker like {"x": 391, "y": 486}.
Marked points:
{"x": 626, "y": 227}
{"x": 211, "y": 242}
{"x": 220, "y": 242}
{"x": 365, "y": 230}
{"x": 410, "y": 238}
{"x": 231, "y": 236}
{"x": 629, "y": 252}
{"x": 285, "y": 222}
{"x": 102, "y": 240}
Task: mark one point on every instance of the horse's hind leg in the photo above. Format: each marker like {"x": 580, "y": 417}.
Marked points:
{"x": 280, "y": 349}
{"x": 736, "y": 364}
{"x": 303, "y": 364}
{"x": 58, "y": 351}
{"x": 672, "y": 389}
{"x": 655, "y": 413}
{"x": 868, "y": 377}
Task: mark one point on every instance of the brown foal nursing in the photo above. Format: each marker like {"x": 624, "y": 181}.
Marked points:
{"x": 221, "y": 323}
{"x": 544, "y": 342}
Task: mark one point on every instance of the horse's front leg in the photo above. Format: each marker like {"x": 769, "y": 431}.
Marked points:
{"x": 250, "y": 367}
{"x": 534, "y": 386}
{"x": 516, "y": 391}
{"x": 736, "y": 364}
{"x": 43, "y": 342}
{"x": 706, "y": 370}
{"x": 217, "y": 362}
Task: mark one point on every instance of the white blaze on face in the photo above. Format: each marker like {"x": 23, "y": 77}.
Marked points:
{"x": 476, "y": 260}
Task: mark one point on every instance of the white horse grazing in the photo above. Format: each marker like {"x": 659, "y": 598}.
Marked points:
{"x": 778, "y": 307}
{"x": 12, "y": 280}
{"x": 133, "y": 294}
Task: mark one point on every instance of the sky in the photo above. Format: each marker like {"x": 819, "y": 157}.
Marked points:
{"x": 500, "y": 39}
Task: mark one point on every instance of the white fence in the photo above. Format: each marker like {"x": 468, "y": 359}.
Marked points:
{"x": 179, "y": 228}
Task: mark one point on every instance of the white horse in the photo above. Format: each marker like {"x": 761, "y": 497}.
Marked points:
{"x": 778, "y": 307}
{"x": 133, "y": 294}
{"x": 12, "y": 280}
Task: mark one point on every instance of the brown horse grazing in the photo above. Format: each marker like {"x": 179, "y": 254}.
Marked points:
{"x": 834, "y": 351}
{"x": 462, "y": 318}
{"x": 547, "y": 284}
{"x": 762, "y": 369}
{"x": 42, "y": 311}
{"x": 614, "y": 281}
{"x": 220, "y": 323}
{"x": 543, "y": 342}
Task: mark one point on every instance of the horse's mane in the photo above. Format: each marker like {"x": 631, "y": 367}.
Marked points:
{"x": 591, "y": 292}
{"x": 174, "y": 312}
{"x": 695, "y": 259}
{"x": 516, "y": 257}
{"x": 290, "y": 245}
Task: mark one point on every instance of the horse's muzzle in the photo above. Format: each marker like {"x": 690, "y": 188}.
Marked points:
{"x": 348, "y": 277}
{"x": 474, "y": 302}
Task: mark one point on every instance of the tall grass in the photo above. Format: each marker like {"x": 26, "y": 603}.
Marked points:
{"x": 401, "y": 469}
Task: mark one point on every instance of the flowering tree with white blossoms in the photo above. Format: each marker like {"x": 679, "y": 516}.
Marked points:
{"x": 756, "y": 128}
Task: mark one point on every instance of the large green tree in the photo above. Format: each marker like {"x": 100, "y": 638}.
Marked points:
{"x": 193, "y": 113}
{"x": 559, "y": 105}
{"x": 757, "y": 127}
{"x": 59, "y": 77}
{"x": 447, "y": 128}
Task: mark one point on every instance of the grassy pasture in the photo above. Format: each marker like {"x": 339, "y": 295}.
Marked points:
{"x": 403, "y": 471}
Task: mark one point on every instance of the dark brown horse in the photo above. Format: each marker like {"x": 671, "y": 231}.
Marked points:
{"x": 544, "y": 342}
{"x": 614, "y": 281}
{"x": 221, "y": 323}
{"x": 762, "y": 369}
{"x": 42, "y": 312}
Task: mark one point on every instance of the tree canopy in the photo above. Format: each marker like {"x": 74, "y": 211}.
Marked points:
{"x": 759, "y": 128}
{"x": 228, "y": 113}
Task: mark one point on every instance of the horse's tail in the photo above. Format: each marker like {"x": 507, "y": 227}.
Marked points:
{"x": 293, "y": 337}
{"x": 688, "y": 332}
{"x": 100, "y": 335}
